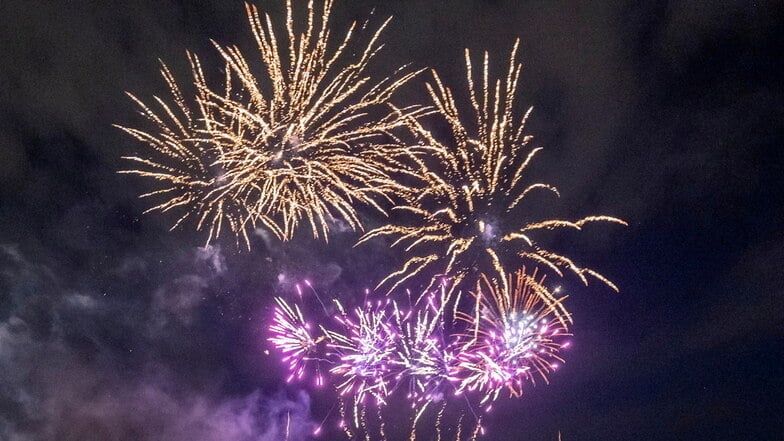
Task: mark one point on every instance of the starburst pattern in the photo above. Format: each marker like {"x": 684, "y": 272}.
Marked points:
{"x": 513, "y": 336}
{"x": 426, "y": 354}
{"x": 508, "y": 338}
{"x": 294, "y": 337}
{"x": 303, "y": 141}
{"x": 469, "y": 216}
{"x": 364, "y": 349}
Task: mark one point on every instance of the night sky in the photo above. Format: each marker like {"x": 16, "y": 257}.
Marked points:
{"x": 669, "y": 115}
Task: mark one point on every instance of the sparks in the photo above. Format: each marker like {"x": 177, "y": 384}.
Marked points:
{"x": 303, "y": 141}
{"x": 508, "y": 338}
{"x": 293, "y": 336}
{"x": 469, "y": 216}
{"x": 513, "y": 336}
{"x": 364, "y": 349}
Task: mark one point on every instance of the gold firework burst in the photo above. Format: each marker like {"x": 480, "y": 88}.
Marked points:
{"x": 467, "y": 217}
{"x": 513, "y": 335}
{"x": 302, "y": 142}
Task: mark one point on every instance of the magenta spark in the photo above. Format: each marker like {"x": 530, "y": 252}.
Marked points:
{"x": 293, "y": 337}
{"x": 365, "y": 350}
{"x": 510, "y": 335}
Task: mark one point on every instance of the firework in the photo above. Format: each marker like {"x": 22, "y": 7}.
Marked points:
{"x": 303, "y": 141}
{"x": 364, "y": 349}
{"x": 469, "y": 216}
{"x": 429, "y": 350}
{"x": 426, "y": 356}
{"x": 513, "y": 336}
{"x": 293, "y": 336}
{"x": 371, "y": 350}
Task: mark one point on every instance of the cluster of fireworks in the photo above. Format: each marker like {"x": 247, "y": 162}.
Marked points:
{"x": 313, "y": 137}
{"x": 510, "y": 336}
{"x": 428, "y": 351}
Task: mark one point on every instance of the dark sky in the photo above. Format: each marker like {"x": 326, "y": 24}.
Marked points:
{"x": 667, "y": 114}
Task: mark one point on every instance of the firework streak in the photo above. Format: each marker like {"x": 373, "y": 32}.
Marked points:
{"x": 304, "y": 142}
{"x": 425, "y": 351}
{"x": 471, "y": 212}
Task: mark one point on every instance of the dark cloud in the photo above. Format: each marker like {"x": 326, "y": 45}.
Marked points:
{"x": 748, "y": 306}
{"x": 90, "y": 365}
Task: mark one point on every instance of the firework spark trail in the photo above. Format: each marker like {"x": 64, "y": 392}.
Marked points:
{"x": 302, "y": 142}
{"x": 293, "y": 336}
{"x": 470, "y": 212}
{"x": 374, "y": 349}
{"x": 509, "y": 337}
{"x": 365, "y": 348}
{"x": 513, "y": 336}
{"x": 425, "y": 356}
